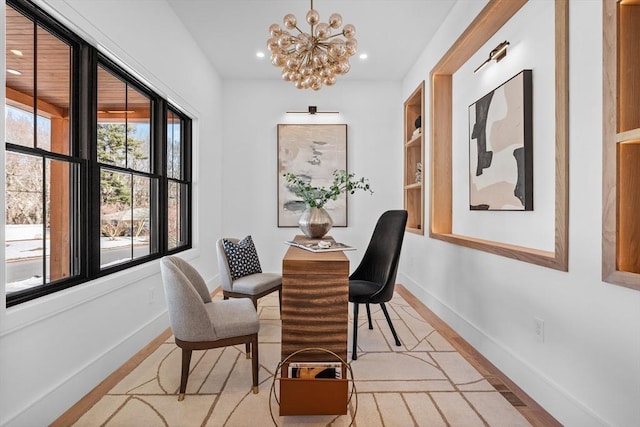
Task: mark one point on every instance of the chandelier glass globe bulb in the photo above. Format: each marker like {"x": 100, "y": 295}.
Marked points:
{"x": 309, "y": 60}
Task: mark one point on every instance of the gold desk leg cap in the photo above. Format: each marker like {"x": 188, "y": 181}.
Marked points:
{"x": 180, "y": 397}
{"x": 248, "y": 355}
{"x": 255, "y": 389}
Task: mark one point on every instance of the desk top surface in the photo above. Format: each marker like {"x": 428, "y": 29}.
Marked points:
{"x": 295, "y": 254}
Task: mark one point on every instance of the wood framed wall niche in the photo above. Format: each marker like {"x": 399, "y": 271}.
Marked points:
{"x": 413, "y": 188}
{"x": 494, "y": 15}
{"x": 621, "y": 143}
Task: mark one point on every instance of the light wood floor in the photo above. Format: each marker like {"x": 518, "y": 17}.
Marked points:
{"x": 528, "y": 407}
{"x": 534, "y": 413}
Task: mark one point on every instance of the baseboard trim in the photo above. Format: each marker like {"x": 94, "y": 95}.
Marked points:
{"x": 66, "y": 392}
{"x": 76, "y": 411}
{"x": 73, "y": 414}
{"x": 548, "y": 394}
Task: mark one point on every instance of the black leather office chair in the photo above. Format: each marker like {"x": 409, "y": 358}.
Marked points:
{"x": 374, "y": 279}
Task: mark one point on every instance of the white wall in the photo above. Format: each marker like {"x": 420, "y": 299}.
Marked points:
{"x": 531, "y": 47}
{"x": 57, "y": 348}
{"x": 586, "y": 373}
{"x": 587, "y": 370}
{"x": 252, "y": 111}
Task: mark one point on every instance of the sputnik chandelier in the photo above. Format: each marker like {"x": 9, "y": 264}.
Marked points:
{"x": 309, "y": 60}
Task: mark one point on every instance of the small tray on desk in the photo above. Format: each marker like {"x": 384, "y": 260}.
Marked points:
{"x": 316, "y": 245}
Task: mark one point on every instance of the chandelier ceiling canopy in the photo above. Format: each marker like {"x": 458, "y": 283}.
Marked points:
{"x": 312, "y": 59}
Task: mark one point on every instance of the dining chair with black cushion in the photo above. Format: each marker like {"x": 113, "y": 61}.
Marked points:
{"x": 373, "y": 281}
{"x": 240, "y": 271}
{"x": 199, "y": 323}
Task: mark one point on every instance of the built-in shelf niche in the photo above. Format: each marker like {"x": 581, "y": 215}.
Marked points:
{"x": 414, "y": 155}
{"x": 621, "y": 139}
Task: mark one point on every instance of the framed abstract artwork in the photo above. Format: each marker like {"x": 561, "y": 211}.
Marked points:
{"x": 500, "y": 147}
{"x": 314, "y": 152}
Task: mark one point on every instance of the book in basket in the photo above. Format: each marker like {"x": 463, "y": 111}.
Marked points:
{"x": 311, "y": 370}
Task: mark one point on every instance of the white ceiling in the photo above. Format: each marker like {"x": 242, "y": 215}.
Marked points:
{"x": 392, "y": 32}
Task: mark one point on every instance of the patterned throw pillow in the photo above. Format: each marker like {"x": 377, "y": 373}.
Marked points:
{"x": 242, "y": 257}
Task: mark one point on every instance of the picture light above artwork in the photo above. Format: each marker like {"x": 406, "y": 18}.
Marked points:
{"x": 496, "y": 54}
{"x": 313, "y": 110}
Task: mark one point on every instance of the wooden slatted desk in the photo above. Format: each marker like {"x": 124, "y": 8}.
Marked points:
{"x": 315, "y": 300}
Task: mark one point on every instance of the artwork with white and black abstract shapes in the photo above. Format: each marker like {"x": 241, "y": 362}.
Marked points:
{"x": 312, "y": 151}
{"x": 500, "y": 147}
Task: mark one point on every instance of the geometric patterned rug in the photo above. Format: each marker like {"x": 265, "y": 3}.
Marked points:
{"x": 424, "y": 382}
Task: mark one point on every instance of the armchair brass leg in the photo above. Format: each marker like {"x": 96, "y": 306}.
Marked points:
{"x": 255, "y": 363}
{"x": 184, "y": 376}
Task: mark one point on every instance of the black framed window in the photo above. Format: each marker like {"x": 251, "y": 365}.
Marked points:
{"x": 128, "y": 188}
{"x": 42, "y": 165}
{"x": 97, "y": 164}
{"x": 178, "y": 180}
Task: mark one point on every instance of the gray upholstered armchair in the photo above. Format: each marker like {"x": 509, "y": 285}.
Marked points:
{"x": 198, "y": 323}
{"x": 253, "y": 283}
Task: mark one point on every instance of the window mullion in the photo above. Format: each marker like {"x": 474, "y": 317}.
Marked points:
{"x": 91, "y": 190}
{"x": 160, "y": 156}
{"x": 35, "y": 83}
{"x": 44, "y": 220}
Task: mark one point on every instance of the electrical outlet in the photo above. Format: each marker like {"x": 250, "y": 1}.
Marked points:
{"x": 538, "y": 328}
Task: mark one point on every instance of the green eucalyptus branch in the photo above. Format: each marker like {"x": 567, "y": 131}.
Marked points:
{"x": 317, "y": 197}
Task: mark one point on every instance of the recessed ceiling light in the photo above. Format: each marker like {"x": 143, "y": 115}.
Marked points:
{"x": 260, "y": 54}
{"x": 16, "y": 52}
{"x": 363, "y": 56}
{"x": 14, "y": 72}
